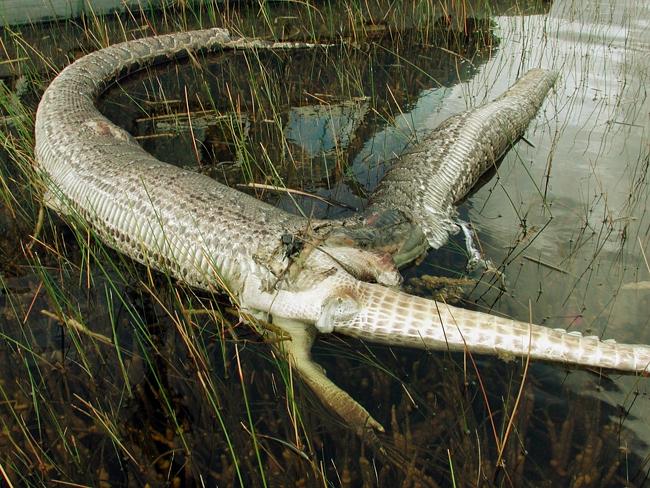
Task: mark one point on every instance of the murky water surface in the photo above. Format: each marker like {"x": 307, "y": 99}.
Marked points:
{"x": 167, "y": 392}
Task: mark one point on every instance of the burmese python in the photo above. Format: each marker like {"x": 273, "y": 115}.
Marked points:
{"x": 213, "y": 237}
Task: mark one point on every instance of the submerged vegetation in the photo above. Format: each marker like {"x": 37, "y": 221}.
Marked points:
{"x": 113, "y": 375}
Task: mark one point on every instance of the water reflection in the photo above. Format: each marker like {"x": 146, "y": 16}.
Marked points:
{"x": 366, "y": 94}
{"x": 580, "y": 195}
{"x": 566, "y": 218}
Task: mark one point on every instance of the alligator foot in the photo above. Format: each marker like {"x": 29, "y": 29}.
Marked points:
{"x": 298, "y": 352}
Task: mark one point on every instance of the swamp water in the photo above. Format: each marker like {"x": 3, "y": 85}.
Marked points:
{"x": 169, "y": 387}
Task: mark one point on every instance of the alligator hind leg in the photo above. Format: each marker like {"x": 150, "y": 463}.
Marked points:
{"x": 298, "y": 352}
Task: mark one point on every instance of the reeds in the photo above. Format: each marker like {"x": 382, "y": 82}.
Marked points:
{"x": 115, "y": 375}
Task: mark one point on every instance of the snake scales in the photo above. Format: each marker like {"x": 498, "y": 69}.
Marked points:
{"x": 214, "y": 237}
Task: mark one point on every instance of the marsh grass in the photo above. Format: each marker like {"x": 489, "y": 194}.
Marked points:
{"x": 116, "y": 375}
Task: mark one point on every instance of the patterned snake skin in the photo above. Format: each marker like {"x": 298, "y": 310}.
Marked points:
{"x": 203, "y": 233}
{"x": 213, "y": 237}
{"x": 446, "y": 163}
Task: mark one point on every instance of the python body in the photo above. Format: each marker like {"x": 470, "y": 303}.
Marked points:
{"x": 216, "y": 238}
